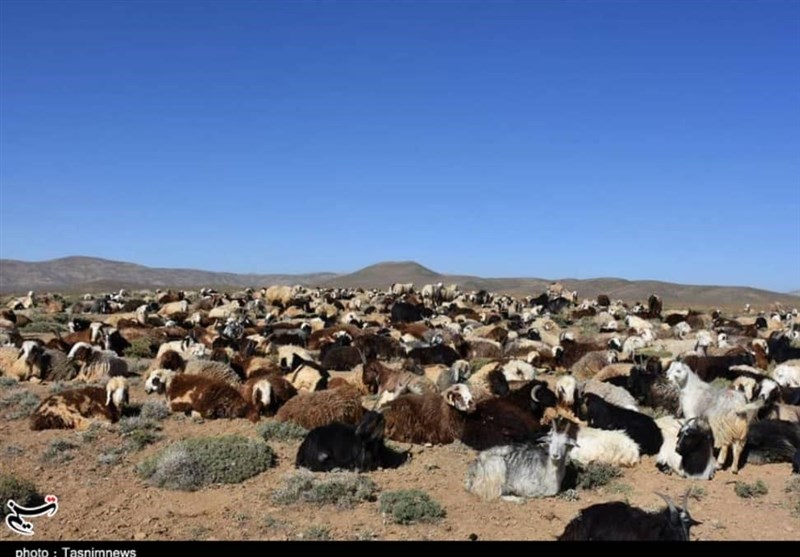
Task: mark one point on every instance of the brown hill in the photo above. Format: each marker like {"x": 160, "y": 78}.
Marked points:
{"x": 80, "y": 274}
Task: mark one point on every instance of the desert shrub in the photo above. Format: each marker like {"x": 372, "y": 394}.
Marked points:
{"x": 749, "y": 491}
{"x": 139, "y": 348}
{"x": 409, "y": 506}
{"x": 154, "y": 410}
{"x": 6, "y": 382}
{"x": 20, "y": 490}
{"x": 344, "y": 489}
{"x": 316, "y": 533}
{"x": 19, "y": 403}
{"x": 194, "y": 463}
{"x": 595, "y": 474}
{"x": 59, "y": 450}
{"x": 281, "y": 431}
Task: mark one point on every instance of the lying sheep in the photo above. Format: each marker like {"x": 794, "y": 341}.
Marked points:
{"x": 435, "y": 419}
{"x": 80, "y": 408}
{"x": 317, "y": 409}
{"x": 96, "y": 365}
{"x": 204, "y": 396}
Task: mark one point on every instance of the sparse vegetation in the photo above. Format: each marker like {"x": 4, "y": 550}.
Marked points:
{"x": 194, "y": 463}
{"x": 22, "y": 491}
{"x": 793, "y": 489}
{"x": 139, "y": 432}
{"x": 140, "y": 348}
{"x": 697, "y": 493}
{"x": 90, "y": 435}
{"x": 344, "y": 489}
{"x": 749, "y": 491}
{"x": 18, "y": 404}
{"x": 570, "y": 495}
{"x": 111, "y": 457}
{"x": 281, "y": 431}
{"x": 14, "y": 450}
{"x": 621, "y": 488}
{"x": 6, "y": 382}
{"x": 59, "y": 450}
{"x": 409, "y": 506}
{"x": 154, "y": 410}
{"x": 57, "y": 387}
{"x": 595, "y": 475}
{"x": 316, "y": 533}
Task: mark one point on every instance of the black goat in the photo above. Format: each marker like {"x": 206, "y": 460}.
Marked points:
{"x": 403, "y": 312}
{"x": 781, "y": 349}
{"x": 619, "y": 521}
{"x": 436, "y": 354}
{"x": 772, "y": 441}
{"x": 639, "y": 427}
{"x": 348, "y": 447}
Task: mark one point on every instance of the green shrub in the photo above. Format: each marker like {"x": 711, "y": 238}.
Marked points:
{"x": 111, "y": 457}
{"x": 194, "y": 463}
{"x": 748, "y": 491}
{"x": 316, "y": 533}
{"x": 21, "y": 491}
{"x": 139, "y": 348}
{"x": 596, "y": 474}
{"x": 281, "y": 431}
{"x": 6, "y": 382}
{"x": 409, "y": 506}
{"x": 344, "y": 489}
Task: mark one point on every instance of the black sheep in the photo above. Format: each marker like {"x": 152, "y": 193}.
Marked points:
{"x": 348, "y": 447}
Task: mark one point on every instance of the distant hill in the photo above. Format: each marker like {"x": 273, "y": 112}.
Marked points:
{"x": 82, "y": 274}
{"x": 795, "y": 292}
{"x": 93, "y": 274}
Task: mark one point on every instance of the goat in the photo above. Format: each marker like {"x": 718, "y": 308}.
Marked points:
{"x": 772, "y": 441}
{"x": 618, "y": 521}
{"x": 348, "y": 447}
{"x": 639, "y": 427}
{"x": 523, "y": 470}
{"x": 688, "y": 448}
{"x": 319, "y": 408}
{"x": 727, "y": 411}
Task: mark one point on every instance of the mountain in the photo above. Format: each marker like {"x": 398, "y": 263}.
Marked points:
{"x": 795, "y": 293}
{"x": 81, "y": 274}
{"x": 93, "y": 274}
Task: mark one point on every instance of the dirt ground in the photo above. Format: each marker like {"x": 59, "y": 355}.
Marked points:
{"x": 102, "y": 502}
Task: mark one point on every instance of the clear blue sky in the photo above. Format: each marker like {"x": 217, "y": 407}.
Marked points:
{"x": 636, "y": 139}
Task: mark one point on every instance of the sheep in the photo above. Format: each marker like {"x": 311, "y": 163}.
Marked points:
{"x": 436, "y": 354}
{"x": 709, "y": 368}
{"x": 341, "y": 358}
{"x": 207, "y": 397}
{"x": 308, "y": 376}
{"x": 403, "y": 312}
{"x": 19, "y": 363}
{"x": 592, "y": 362}
{"x": 188, "y": 348}
{"x": 317, "y": 409}
{"x": 96, "y": 365}
{"x": 402, "y": 288}
{"x": 348, "y": 447}
{"x": 727, "y": 411}
{"x": 489, "y": 380}
{"x": 267, "y": 392}
{"x": 639, "y": 427}
{"x": 280, "y": 296}
{"x": 770, "y": 392}
{"x": 80, "y": 408}
{"x": 772, "y": 441}
{"x": 746, "y": 385}
{"x": 612, "y": 394}
{"x": 618, "y": 521}
{"x": 208, "y": 368}
{"x": 515, "y": 418}
{"x": 786, "y": 375}
{"x": 604, "y": 446}
{"x": 399, "y": 382}
{"x": 688, "y": 448}
{"x": 523, "y": 470}
{"x": 435, "y": 419}
{"x": 376, "y": 346}
{"x": 289, "y": 356}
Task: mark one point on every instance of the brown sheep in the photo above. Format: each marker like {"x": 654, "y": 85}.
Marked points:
{"x": 267, "y": 392}
{"x": 206, "y": 396}
{"x": 79, "y": 408}
{"x": 430, "y": 418}
{"x": 316, "y": 409}
{"x": 221, "y": 371}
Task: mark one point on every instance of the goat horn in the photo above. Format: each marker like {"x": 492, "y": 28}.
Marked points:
{"x": 669, "y": 502}
{"x": 533, "y": 393}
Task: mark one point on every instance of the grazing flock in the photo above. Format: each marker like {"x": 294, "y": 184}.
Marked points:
{"x": 530, "y": 384}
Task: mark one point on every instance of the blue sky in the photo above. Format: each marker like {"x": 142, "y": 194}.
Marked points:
{"x": 553, "y": 139}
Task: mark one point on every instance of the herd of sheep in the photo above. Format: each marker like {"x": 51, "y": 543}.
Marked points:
{"x": 530, "y": 384}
